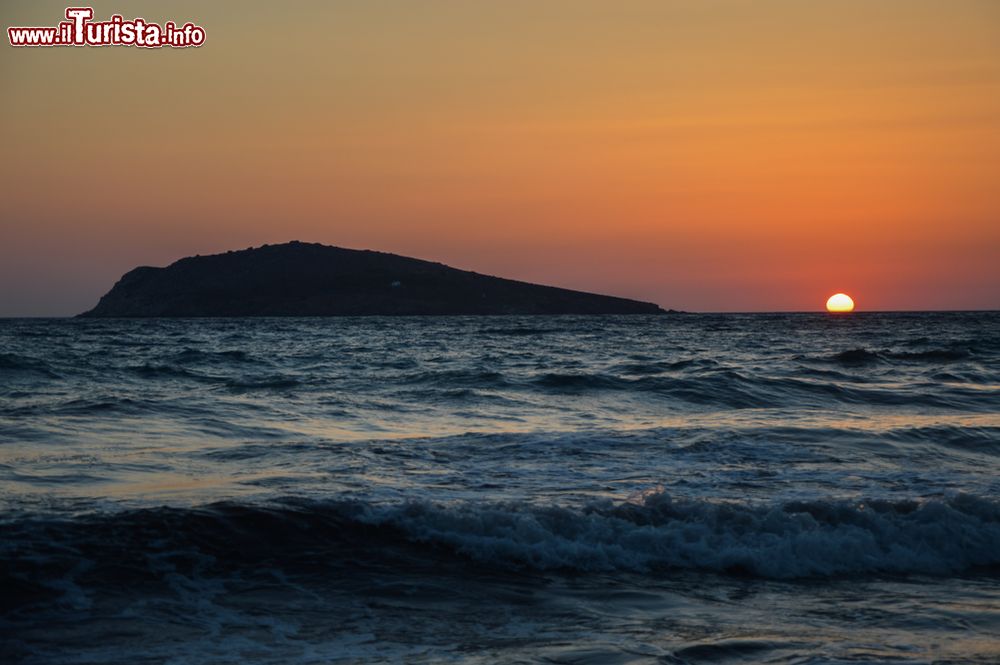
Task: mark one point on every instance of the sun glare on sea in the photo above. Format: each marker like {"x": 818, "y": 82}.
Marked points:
{"x": 840, "y": 302}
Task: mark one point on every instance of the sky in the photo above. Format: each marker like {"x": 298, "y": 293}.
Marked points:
{"x": 706, "y": 155}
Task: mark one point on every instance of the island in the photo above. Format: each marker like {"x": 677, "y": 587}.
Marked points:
{"x": 310, "y": 279}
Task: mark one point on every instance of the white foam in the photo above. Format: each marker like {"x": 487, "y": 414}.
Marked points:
{"x": 818, "y": 538}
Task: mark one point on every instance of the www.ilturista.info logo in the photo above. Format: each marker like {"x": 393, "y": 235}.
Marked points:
{"x": 79, "y": 30}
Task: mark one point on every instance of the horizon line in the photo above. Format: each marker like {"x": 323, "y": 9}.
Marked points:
{"x": 479, "y": 316}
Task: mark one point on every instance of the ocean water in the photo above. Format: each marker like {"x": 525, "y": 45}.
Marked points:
{"x": 785, "y": 488}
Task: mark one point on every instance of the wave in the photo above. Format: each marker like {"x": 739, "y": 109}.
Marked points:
{"x": 249, "y": 383}
{"x": 651, "y": 534}
{"x": 191, "y": 355}
{"x": 970, "y": 439}
{"x": 162, "y": 371}
{"x": 801, "y": 539}
{"x": 456, "y": 378}
{"x": 14, "y": 363}
{"x": 742, "y": 389}
{"x": 650, "y": 367}
{"x": 860, "y": 356}
{"x": 524, "y": 332}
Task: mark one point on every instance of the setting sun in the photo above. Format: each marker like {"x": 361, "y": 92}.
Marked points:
{"x": 840, "y": 302}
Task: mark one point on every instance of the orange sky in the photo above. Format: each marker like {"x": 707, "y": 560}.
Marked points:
{"x": 706, "y": 155}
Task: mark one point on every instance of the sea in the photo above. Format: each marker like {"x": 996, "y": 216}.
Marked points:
{"x": 688, "y": 488}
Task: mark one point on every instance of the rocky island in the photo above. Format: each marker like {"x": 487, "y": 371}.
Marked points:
{"x": 309, "y": 279}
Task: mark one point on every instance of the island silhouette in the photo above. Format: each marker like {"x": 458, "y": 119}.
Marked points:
{"x": 310, "y": 279}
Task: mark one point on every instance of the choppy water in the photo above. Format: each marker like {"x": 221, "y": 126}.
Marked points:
{"x": 679, "y": 489}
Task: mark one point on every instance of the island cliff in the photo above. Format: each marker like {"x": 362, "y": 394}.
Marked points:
{"x": 308, "y": 279}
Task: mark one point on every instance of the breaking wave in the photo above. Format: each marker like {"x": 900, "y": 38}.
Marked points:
{"x": 656, "y": 532}
{"x": 650, "y": 534}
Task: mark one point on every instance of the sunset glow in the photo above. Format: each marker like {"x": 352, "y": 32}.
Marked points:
{"x": 705, "y": 156}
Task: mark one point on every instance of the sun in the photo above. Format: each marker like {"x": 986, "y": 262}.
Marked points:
{"x": 840, "y": 302}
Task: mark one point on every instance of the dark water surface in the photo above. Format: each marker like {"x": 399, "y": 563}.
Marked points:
{"x": 680, "y": 489}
